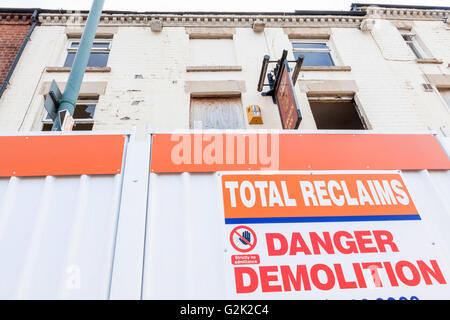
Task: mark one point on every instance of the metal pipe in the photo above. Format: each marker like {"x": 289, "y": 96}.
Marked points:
{"x": 265, "y": 64}
{"x": 19, "y": 53}
{"x": 296, "y": 72}
{"x": 70, "y": 95}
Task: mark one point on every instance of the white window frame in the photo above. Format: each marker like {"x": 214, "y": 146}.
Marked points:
{"x": 331, "y": 50}
{"x": 419, "y": 49}
{"x": 69, "y": 48}
{"x": 45, "y": 120}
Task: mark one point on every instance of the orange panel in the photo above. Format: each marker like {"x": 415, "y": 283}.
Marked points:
{"x": 61, "y": 155}
{"x": 317, "y": 195}
{"x": 291, "y": 151}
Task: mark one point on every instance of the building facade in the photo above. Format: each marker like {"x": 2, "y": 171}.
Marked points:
{"x": 116, "y": 211}
{"x": 371, "y": 68}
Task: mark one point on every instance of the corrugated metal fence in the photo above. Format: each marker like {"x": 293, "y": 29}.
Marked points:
{"x": 138, "y": 233}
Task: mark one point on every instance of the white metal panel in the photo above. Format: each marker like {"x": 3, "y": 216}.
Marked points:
{"x": 126, "y": 279}
{"x": 63, "y": 237}
{"x": 431, "y": 194}
{"x": 184, "y": 249}
{"x": 57, "y": 236}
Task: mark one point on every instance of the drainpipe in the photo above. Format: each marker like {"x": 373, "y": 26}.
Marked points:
{"x": 70, "y": 95}
{"x": 22, "y": 47}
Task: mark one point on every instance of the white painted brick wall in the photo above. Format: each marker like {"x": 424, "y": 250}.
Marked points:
{"x": 390, "y": 42}
{"x": 389, "y": 81}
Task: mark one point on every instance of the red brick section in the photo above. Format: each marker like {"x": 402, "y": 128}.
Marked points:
{"x": 13, "y": 29}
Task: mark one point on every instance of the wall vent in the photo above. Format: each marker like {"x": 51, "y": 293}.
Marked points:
{"x": 428, "y": 87}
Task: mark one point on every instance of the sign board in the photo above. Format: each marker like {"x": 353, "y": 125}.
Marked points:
{"x": 286, "y": 100}
{"x": 352, "y": 235}
{"x": 51, "y": 100}
{"x": 66, "y": 120}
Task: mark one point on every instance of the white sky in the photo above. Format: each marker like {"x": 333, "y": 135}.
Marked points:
{"x": 209, "y": 5}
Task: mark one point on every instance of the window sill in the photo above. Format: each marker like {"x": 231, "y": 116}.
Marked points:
{"x": 430, "y": 61}
{"x": 88, "y": 69}
{"x": 326, "y": 68}
{"x": 213, "y": 68}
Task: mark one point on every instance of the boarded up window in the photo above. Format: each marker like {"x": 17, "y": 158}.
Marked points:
{"x": 216, "y": 113}
{"x": 212, "y": 52}
{"x": 335, "y": 114}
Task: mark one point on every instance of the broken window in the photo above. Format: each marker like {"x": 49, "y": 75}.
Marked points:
{"x": 83, "y": 117}
{"x": 216, "y": 113}
{"x": 336, "y": 114}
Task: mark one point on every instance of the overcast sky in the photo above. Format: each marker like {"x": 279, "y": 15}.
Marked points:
{"x": 208, "y": 5}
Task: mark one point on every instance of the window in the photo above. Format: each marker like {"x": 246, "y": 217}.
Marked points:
{"x": 216, "y": 113}
{"x": 315, "y": 52}
{"x": 445, "y": 94}
{"x": 332, "y": 113}
{"x": 83, "y": 117}
{"x": 99, "y": 53}
{"x": 414, "y": 45}
{"x": 212, "y": 52}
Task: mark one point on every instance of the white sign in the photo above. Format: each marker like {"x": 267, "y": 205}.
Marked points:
{"x": 328, "y": 236}
{"x": 66, "y": 120}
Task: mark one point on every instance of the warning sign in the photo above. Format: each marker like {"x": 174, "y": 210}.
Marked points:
{"x": 243, "y": 239}
{"x": 328, "y": 236}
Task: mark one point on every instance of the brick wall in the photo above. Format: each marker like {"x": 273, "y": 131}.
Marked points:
{"x": 13, "y": 29}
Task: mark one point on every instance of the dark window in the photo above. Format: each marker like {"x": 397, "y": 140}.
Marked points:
{"x": 335, "y": 114}
{"x": 95, "y": 59}
{"x": 76, "y": 127}
{"x": 84, "y": 111}
{"x": 415, "y": 47}
{"x": 98, "y": 57}
{"x": 314, "y": 53}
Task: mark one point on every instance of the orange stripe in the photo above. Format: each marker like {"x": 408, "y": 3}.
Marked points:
{"x": 300, "y": 152}
{"x": 61, "y": 155}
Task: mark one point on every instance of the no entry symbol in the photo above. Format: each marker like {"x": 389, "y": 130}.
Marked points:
{"x": 243, "y": 239}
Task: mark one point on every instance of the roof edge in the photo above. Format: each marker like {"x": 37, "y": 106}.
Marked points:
{"x": 356, "y": 6}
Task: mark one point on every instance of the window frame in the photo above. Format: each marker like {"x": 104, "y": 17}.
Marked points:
{"x": 441, "y": 96}
{"x": 69, "y": 49}
{"x": 417, "y": 48}
{"x": 45, "y": 120}
{"x": 331, "y": 50}
{"x": 193, "y": 125}
{"x": 351, "y": 98}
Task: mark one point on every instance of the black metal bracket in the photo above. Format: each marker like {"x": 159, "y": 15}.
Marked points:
{"x": 273, "y": 77}
{"x": 53, "y": 97}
